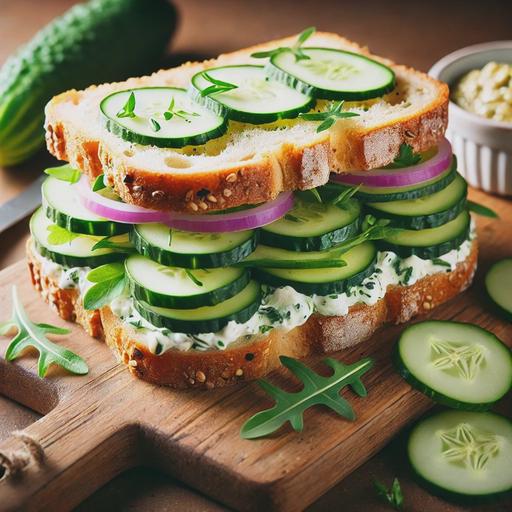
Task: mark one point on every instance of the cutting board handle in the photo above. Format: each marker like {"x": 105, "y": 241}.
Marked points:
{"x": 65, "y": 456}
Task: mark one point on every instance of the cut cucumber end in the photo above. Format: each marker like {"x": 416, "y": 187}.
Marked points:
{"x": 498, "y": 284}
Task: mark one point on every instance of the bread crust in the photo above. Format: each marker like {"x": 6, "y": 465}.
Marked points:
{"x": 289, "y": 167}
{"x": 246, "y": 361}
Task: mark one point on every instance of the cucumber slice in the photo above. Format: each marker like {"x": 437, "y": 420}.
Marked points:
{"x": 77, "y": 252}
{"x": 256, "y": 99}
{"x": 424, "y": 212}
{"x": 498, "y": 283}
{"x": 385, "y": 194}
{"x": 429, "y": 243}
{"x": 192, "y": 250}
{"x": 463, "y": 455}
{"x": 332, "y": 74}
{"x": 174, "y": 287}
{"x": 459, "y": 365}
{"x": 238, "y": 308}
{"x": 190, "y": 123}
{"x": 62, "y": 206}
{"x": 313, "y": 226}
{"x": 360, "y": 262}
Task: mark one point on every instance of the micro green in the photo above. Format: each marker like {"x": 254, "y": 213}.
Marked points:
{"x": 393, "y": 497}
{"x": 406, "y": 157}
{"x": 34, "y": 335}
{"x": 217, "y": 85}
{"x": 173, "y": 111}
{"x": 316, "y": 194}
{"x": 99, "y": 183}
{"x": 109, "y": 283}
{"x": 128, "y": 109}
{"x": 155, "y": 125}
{"x": 316, "y": 390}
{"x": 64, "y": 173}
{"x": 295, "y": 49}
{"x": 345, "y": 195}
{"x": 329, "y": 117}
{"x": 57, "y": 235}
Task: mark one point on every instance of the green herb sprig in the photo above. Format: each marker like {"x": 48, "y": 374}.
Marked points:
{"x": 109, "y": 283}
{"x": 329, "y": 117}
{"x": 128, "y": 109}
{"x": 64, "y": 173}
{"x": 155, "y": 125}
{"x": 393, "y": 497}
{"x": 57, "y": 235}
{"x": 482, "y": 210}
{"x": 345, "y": 195}
{"x": 193, "y": 278}
{"x": 34, "y": 335}
{"x": 405, "y": 158}
{"x": 217, "y": 85}
{"x": 295, "y": 49}
{"x": 317, "y": 390}
{"x": 107, "y": 243}
{"x": 172, "y": 111}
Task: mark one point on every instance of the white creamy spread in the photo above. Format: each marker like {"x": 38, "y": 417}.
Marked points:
{"x": 282, "y": 308}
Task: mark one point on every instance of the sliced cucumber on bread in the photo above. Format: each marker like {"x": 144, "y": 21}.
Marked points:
{"x": 498, "y": 283}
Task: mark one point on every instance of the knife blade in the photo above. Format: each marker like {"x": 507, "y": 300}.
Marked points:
{"x": 22, "y": 205}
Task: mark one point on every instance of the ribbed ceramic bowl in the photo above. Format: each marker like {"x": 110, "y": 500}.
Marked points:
{"x": 483, "y": 146}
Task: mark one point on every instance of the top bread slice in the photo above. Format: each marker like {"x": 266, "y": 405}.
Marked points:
{"x": 250, "y": 163}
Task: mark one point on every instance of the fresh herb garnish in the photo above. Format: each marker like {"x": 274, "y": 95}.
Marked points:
{"x": 316, "y": 194}
{"x": 441, "y": 263}
{"x": 406, "y": 157}
{"x": 265, "y": 328}
{"x": 128, "y": 109}
{"x": 110, "y": 282}
{"x": 107, "y": 243}
{"x": 34, "y": 335}
{"x": 155, "y": 125}
{"x": 482, "y": 210}
{"x": 192, "y": 277}
{"x": 329, "y": 117}
{"x": 295, "y": 49}
{"x": 60, "y": 236}
{"x": 217, "y": 85}
{"x": 317, "y": 390}
{"x": 171, "y": 112}
{"x": 99, "y": 183}
{"x": 64, "y": 173}
{"x": 294, "y": 218}
{"x": 345, "y": 195}
{"x": 393, "y": 496}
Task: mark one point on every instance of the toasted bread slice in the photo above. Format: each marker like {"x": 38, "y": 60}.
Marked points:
{"x": 243, "y": 360}
{"x": 250, "y": 164}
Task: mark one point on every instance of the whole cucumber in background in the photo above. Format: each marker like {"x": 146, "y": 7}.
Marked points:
{"x": 95, "y": 42}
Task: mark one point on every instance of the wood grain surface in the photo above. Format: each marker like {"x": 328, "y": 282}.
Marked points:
{"x": 409, "y": 32}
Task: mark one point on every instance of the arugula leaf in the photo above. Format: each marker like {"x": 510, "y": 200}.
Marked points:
{"x": 33, "y": 335}
{"x": 329, "y": 117}
{"x": 482, "y": 210}
{"x": 295, "y": 49}
{"x": 193, "y": 278}
{"x": 317, "y": 390}
{"x": 99, "y": 183}
{"x": 64, "y": 173}
{"x": 128, "y": 109}
{"x": 107, "y": 243}
{"x": 60, "y": 236}
{"x": 218, "y": 85}
{"x": 406, "y": 157}
{"x": 110, "y": 282}
{"x": 393, "y": 497}
{"x": 346, "y": 194}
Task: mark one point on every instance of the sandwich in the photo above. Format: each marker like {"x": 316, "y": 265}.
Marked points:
{"x": 285, "y": 199}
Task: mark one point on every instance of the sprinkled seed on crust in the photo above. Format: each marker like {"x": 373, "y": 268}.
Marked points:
{"x": 191, "y": 381}
{"x": 239, "y": 372}
{"x": 231, "y": 178}
{"x": 203, "y": 205}
{"x": 137, "y": 188}
{"x": 200, "y": 376}
{"x": 157, "y": 194}
{"x": 409, "y": 134}
{"x": 193, "y": 206}
{"x": 427, "y": 305}
{"x": 189, "y": 195}
{"x": 132, "y": 362}
{"x": 227, "y": 192}
{"x": 428, "y": 297}
{"x": 212, "y": 198}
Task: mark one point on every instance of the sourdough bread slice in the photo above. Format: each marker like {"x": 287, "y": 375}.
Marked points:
{"x": 251, "y": 360}
{"x": 250, "y": 164}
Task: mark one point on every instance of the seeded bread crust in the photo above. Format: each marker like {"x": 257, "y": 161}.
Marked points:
{"x": 261, "y": 165}
{"x": 246, "y": 361}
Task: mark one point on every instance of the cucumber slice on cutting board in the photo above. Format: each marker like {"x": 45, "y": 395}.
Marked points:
{"x": 76, "y": 249}
{"x": 313, "y": 226}
{"x": 175, "y": 287}
{"x": 63, "y": 206}
{"x": 427, "y": 211}
{"x": 160, "y": 116}
{"x": 461, "y": 454}
{"x": 238, "y": 308}
{"x": 255, "y": 98}
{"x": 192, "y": 250}
{"x": 332, "y": 74}
{"x": 429, "y": 243}
{"x": 498, "y": 283}
{"x": 360, "y": 262}
{"x": 459, "y": 365}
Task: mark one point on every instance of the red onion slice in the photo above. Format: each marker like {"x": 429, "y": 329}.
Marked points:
{"x": 404, "y": 176}
{"x": 215, "y": 223}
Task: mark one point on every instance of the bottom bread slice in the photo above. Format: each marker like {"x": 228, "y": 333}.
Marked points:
{"x": 250, "y": 360}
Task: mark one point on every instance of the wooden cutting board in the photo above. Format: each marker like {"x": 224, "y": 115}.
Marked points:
{"x": 101, "y": 424}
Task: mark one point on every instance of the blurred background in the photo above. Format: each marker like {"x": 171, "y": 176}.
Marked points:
{"x": 409, "y": 32}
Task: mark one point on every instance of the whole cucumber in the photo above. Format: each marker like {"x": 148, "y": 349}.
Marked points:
{"x": 95, "y": 42}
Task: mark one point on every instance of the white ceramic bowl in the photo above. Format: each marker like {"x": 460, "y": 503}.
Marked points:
{"x": 483, "y": 146}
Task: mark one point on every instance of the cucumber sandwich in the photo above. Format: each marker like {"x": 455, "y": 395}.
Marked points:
{"x": 280, "y": 200}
